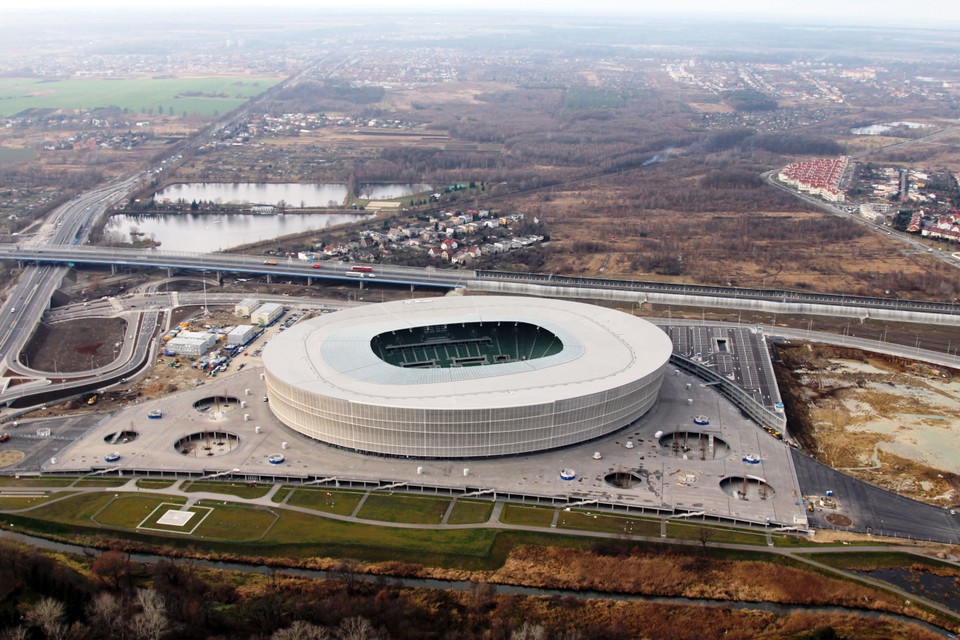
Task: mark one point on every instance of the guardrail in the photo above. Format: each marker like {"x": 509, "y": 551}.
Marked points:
{"x": 740, "y": 398}
{"x": 771, "y": 295}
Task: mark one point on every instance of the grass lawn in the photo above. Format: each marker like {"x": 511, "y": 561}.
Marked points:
{"x": 583, "y": 521}
{"x": 74, "y": 510}
{"x": 237, "y": 523}
{"x": 527, "y": 516}
{"x": 470, "y": 512}
{"x": 176, "y": 96}
{"x": 341, "y": 503}
{"x": 23, "y": 503}
{"x": 870, "y": 560}
{"x": 150, "y": 483}
{"x": 689, "y": 531}
{"x": 101, "y": 482}
{"x": 231, "y": 489}
{"x": 44, "y": 481}
{"x": 403, "y": 508}
{"x": 249, "y": 531}
{"x": 300, "y": 534}
{"x": 129, "y": 510}
{"x": 281, "y": 494}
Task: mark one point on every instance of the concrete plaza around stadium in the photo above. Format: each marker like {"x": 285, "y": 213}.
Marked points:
{"x": 664, "y": 481}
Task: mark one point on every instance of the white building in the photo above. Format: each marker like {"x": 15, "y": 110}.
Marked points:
{"x": 241, "y": 334}
{"x": 245, "y": 307}
{"x": 266, "y": 313}
{"x": 191, "y": 343}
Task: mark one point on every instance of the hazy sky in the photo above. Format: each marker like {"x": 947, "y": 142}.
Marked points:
{"x": 930, "y": 12}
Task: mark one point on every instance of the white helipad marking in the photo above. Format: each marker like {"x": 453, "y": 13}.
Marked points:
{"x": 174, "y": 518}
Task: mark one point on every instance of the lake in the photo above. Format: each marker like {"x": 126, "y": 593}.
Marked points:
{"x": 294, "y": 194}
{"x": 203, "y": 233}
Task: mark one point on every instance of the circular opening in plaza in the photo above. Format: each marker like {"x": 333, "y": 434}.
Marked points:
{"x": 623, "y": 479}
{"x": 207, "y": 443}
{"x": 465, "y": 376}
{"x": 694, "y": 445}
{"x": 121, "y": 437}
{"x": 217, "y": 407}
{"x": 747, "y": 488}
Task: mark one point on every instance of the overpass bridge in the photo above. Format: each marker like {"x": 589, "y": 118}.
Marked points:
{"x": 776, "y": 300}
{"x": 220, "y": 263}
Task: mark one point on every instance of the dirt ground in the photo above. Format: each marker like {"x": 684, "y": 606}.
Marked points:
{"x": 76, "y": 345}
{"x": 887, "y": 420}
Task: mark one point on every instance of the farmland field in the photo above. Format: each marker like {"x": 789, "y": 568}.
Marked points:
{"x": 176, "y": 96}
{"x": 10, "y": 155}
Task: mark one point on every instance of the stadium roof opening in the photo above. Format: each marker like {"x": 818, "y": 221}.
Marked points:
{"x": 465, "y": 344}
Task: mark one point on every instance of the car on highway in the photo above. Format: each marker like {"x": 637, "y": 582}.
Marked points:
{"x": 317, "y": 265}
{"x": 4, "y": 437}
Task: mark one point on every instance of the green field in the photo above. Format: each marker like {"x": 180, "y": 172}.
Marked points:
{"x": 470, "y": 512}
{"x": 527, "y": 516}
{"x": 176, "y": 96}
{"x": 588, "y": 98}
{"x": 14, "y": 503}
{"x": 36, "y": 481}
{"x": 689, "y": 531}
{"x": 397, "y": 508}
{"x": 239, "y": 490}
{"x": 237, "y": 523}
{"x": 583, "y": 521}
{"x": 128, "y": 510}
{"x": 341, "y": 503}
{"x": 150, "y": 483}
{"x": 101, "y": 482}
{"x": 9, "y": 155}
{"x": 281, "y": 494}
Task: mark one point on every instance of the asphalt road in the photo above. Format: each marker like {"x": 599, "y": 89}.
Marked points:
{"x": 873, "y": 510}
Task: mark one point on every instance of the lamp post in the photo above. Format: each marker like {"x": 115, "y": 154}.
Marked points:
{"x": 203, "y": 277}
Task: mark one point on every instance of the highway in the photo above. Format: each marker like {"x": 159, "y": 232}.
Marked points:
{"x": 430, "y": 277}
{"x": 232, "y": 263}
{"x": 29, "y": 298}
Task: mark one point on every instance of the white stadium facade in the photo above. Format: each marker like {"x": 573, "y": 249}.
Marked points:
{"x": 465, "y": 376}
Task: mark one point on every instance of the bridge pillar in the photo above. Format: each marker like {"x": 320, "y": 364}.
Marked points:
{"x": 412, "y": 287}
{"x": 361, "y": 284}
{"x": 169, "y": 272}
{"x": 113, "y": 269}
{"x": 219, "y": 278}
{"x": 269, "y": 279}
{"x": 309, "y": 281}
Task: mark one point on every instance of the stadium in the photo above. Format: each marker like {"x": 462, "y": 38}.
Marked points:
{"x": 465, "y": 377}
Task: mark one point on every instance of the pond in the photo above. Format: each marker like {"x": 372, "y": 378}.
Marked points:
{"x": 204, "y": 233}
{"x": 293, "y": 194}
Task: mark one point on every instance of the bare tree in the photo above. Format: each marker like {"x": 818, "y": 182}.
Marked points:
{"x": 301, "y": 630}
{"x": 49, "y": 614}
{"x": 529, "y": 632}
{"x": 151, "y": 623}
{"x": 357, "y": 628}
{"x": 104, "y": 612}
{"x": 15, "y": 633}
{"x": 704, "y": 535}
